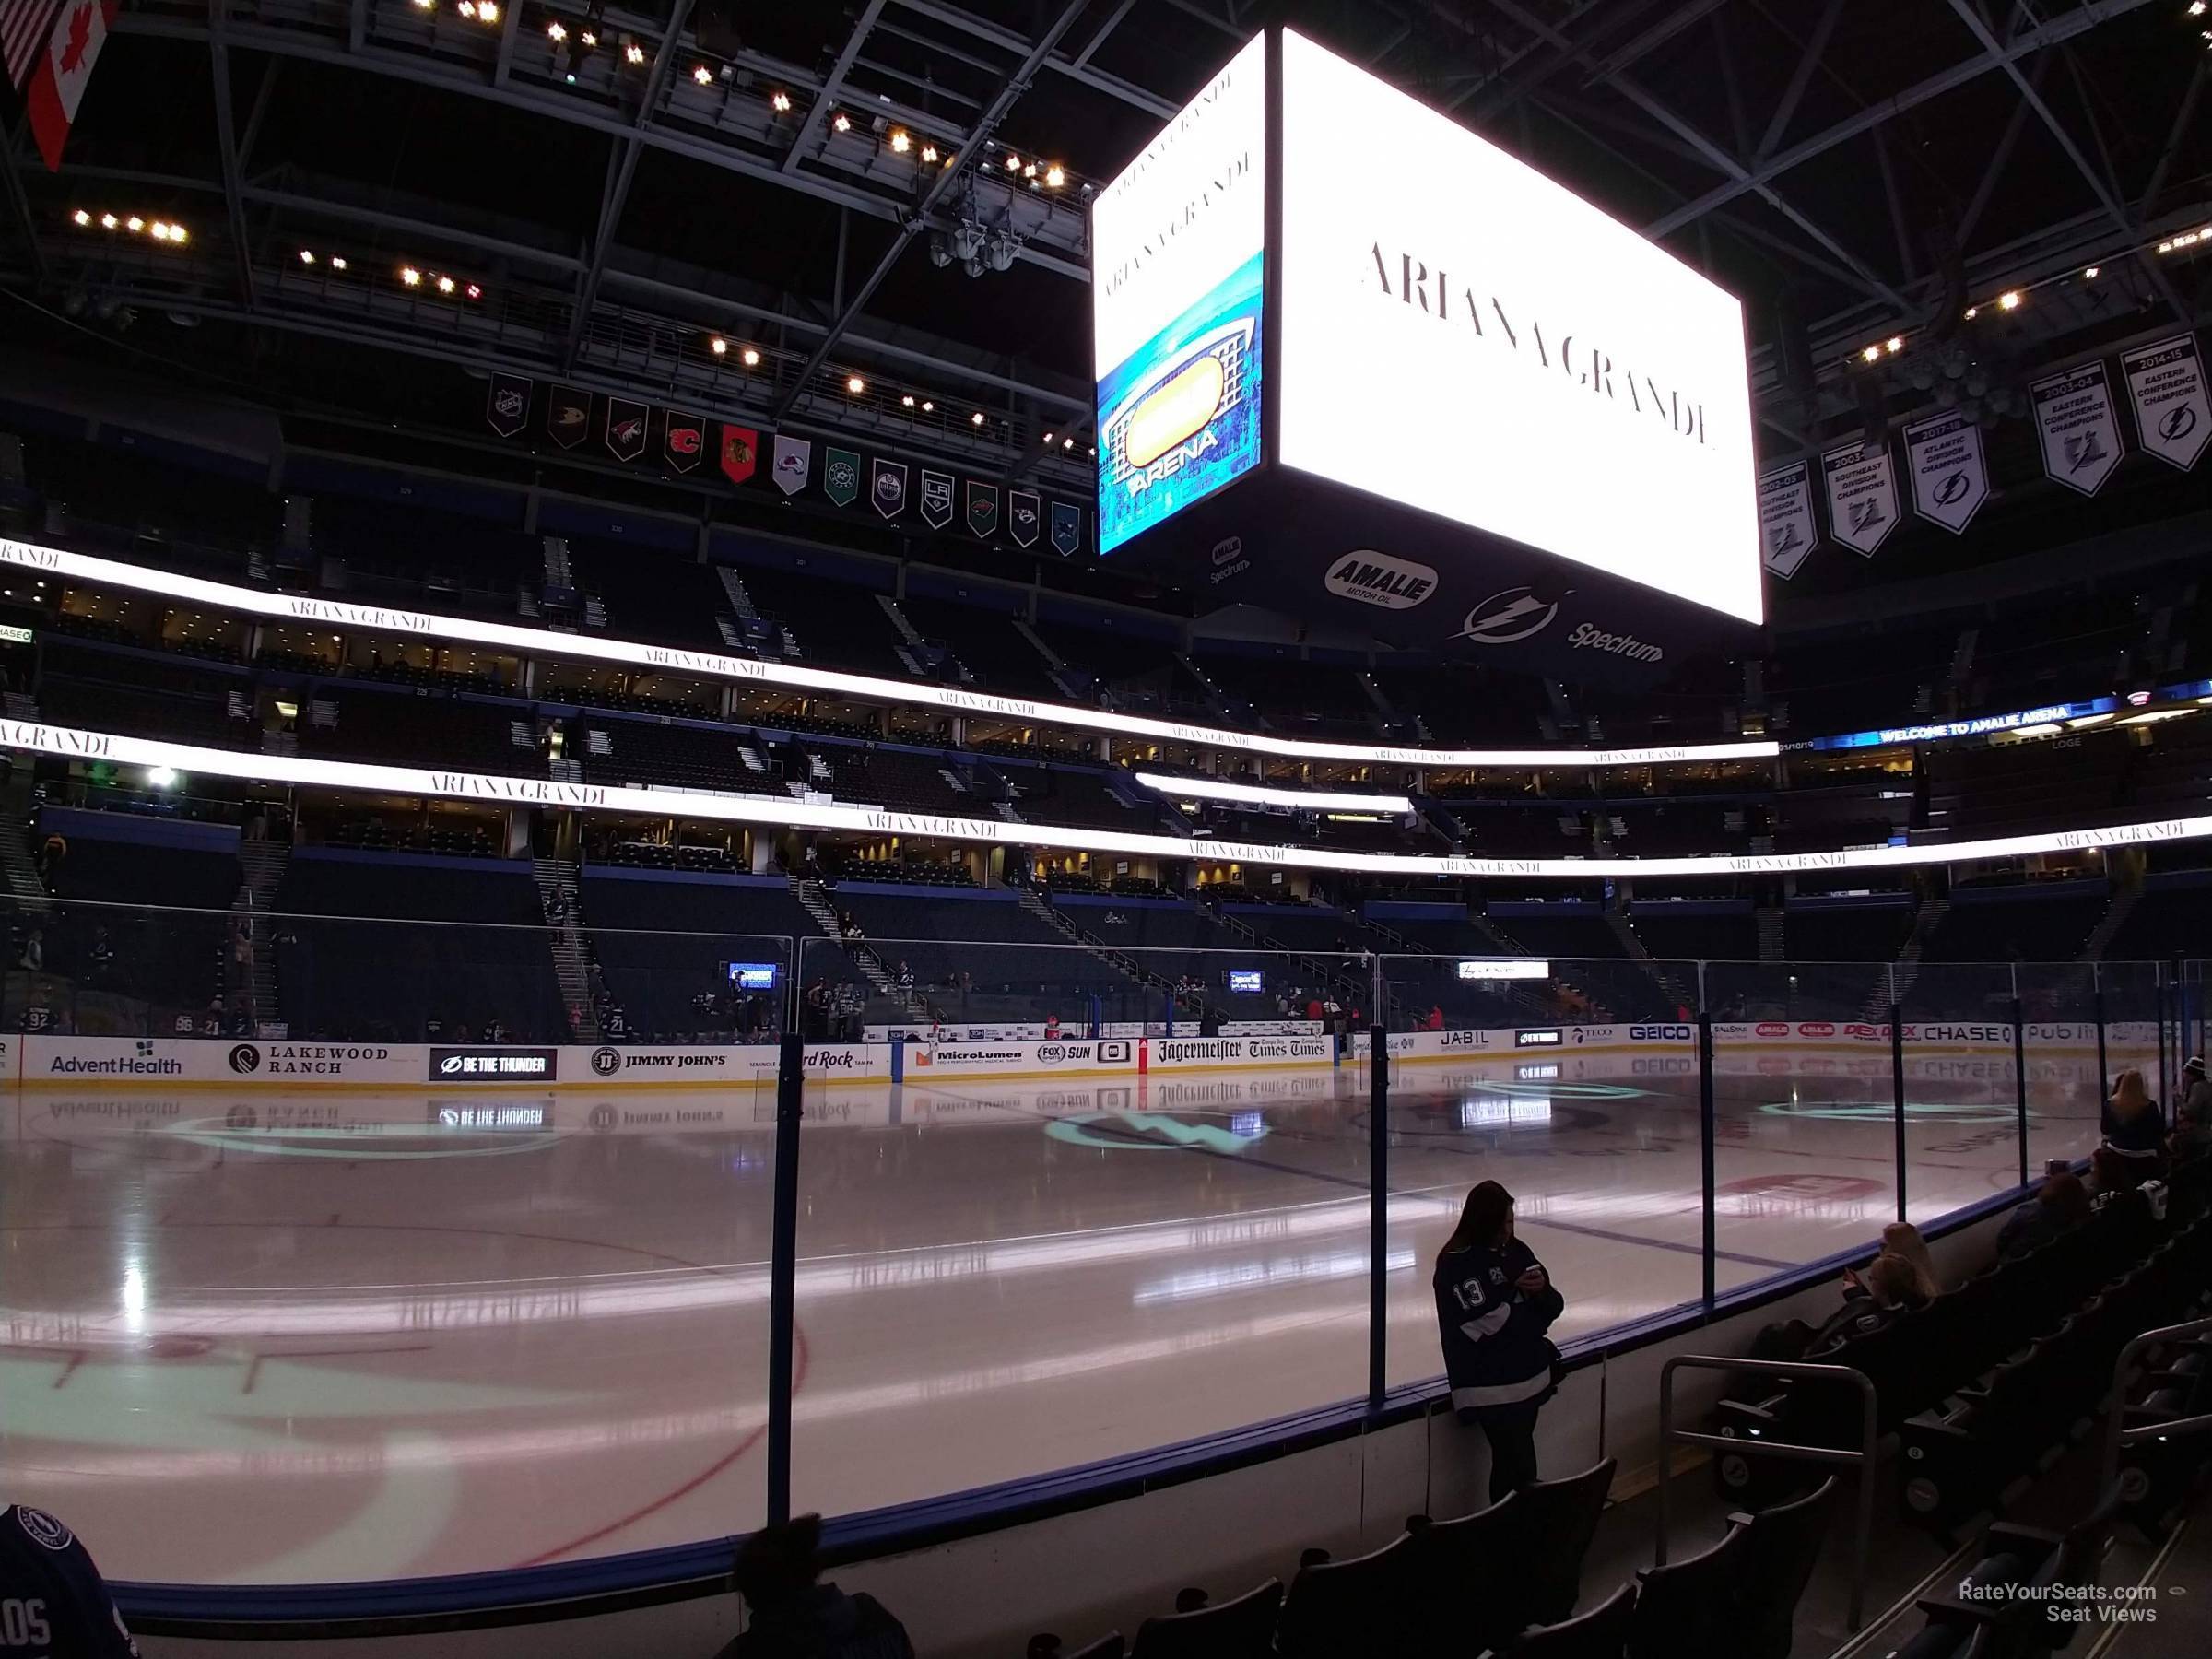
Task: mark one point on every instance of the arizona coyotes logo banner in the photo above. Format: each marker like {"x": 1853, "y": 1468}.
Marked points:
{"x": 507, "y": 406}
{"x": 2166, "y": 383}
{"x": 1861, "y": 495}
{"x": 1786, "y": 530}
{"x": 937, "y": 498}
{"x": 983, "y": 508}
{"x": 568, "y": 415}
{"x": 794, "y": 462}
{"x": 740, "y": 452}
{"x": 1067, "y": 529}
{"x": 2079, "y": 428}
{"x": 1025, "y": 516}
{"x": 886, "y": 487}
{"x": 626, "y": 428}
{"x": 841, "y": 477}
{"x": 683, "y": 439}
{"x": 1950, "y": 480}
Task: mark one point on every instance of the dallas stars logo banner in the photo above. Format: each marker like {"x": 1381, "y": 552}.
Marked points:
{"x": 983, "y": 508}
{"x": 937, "y": 498}
{"x": 841, "y": 477}
{"x": 1025, "y": 516}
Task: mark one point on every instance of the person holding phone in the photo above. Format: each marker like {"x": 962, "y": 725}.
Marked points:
{"x": 1494, "y": 1304}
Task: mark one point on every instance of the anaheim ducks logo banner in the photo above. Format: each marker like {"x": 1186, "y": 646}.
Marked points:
{"x": 626, "y": 424}
{"x": 1025, "y": 516}
{"x": 740, "y": 452}
{"x": 1862, "y": 496}
{"x": 886, "y": 487}
{"x": 1786, "y": 529}
{"x": 1950, "y": 479}
{"x": 568, "y": 415}
{"x": 937, "y": 498}
{"x": 2166, "y": 383}
{"x": 507, "y": 404}
{"x": 2078, "y": 427}
{"x": 683, "y": 439}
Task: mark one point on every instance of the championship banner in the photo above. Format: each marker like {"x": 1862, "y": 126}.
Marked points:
{"x": 1024, "y": 516}
{"x": 983, "y": 508}
{"x": 937, "y": 498}
{"x": 1786, "y": 527}
{"x": 683, "y": 439}
{"x": 507, "y": 406}
{"x": 568, "y": 415}
{"x": 2078, "y": 427}
{"x": 1950, "y": 478}
{"x": 1862, "y": 496}
{"x": 626, "y": 423}
{"x": 841, "y": 477}
{"x": 794, "y": 462}
{"x": 2166, "y": 383}
{"x": 1067, "y": 529}
{"x": 740, "y": 452}
{"x": 887, "y": 485}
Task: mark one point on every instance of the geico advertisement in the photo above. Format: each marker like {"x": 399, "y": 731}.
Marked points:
{"x": 1176, "y": 266}
{"x": 1465, "y": 336}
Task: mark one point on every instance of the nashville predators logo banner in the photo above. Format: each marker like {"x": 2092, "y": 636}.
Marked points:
{"x": 1025, "y": 516}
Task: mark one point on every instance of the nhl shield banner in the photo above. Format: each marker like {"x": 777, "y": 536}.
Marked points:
{"x": 1950, "y": 479}
{"x": 1025, "y": 516}
{"x": 937, "y": 498}
{"x": 795, "y": 461}
{"x": 683, "y": 439}
{"x": 1067, "y": 529}
{"x": 740, "y": 452}
{"x": 507, "y": 406}
{"x": 841, "y": 477}
{"x": 886, "y": 487}
{"x": 1862, "y": 496}
{"x": 2076, "y": 425}
{"x": 2166, "y": 383}
{"x": 1786, "y": 529}
{"x": 568, "y": 415}
{"x": 983, "y": 508}
{"x": 626, "y": 428}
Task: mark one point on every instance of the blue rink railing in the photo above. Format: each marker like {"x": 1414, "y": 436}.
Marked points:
{"x": 2015, "y": 1055}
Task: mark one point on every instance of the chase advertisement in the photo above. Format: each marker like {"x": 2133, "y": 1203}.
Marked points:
{"x": 1176, "y": 281}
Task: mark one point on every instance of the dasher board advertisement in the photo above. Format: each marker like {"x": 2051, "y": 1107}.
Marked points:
{"x": 1177, "y": 261}
{"x": 1463, "y": 337}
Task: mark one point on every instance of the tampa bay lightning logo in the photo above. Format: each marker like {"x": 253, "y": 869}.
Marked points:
{"x": 1510, "y": 615}
{"x": 43, "y": 1528}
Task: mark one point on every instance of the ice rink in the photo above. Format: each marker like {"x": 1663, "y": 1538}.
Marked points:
{"x": 263, "y": 1335}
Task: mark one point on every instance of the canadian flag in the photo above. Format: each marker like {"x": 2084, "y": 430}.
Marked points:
{"x": 59, "y": 82}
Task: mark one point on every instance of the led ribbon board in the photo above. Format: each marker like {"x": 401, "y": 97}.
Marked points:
{"x": 73, "y": 743}
{"x": 1177, "y": 263}
{"x": 1463, "y": 337}
{"x": 313, "y": 612}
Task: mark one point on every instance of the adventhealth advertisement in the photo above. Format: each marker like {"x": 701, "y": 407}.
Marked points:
{"x": 1463, "y": 337}
{"x": 1177, "y": 255}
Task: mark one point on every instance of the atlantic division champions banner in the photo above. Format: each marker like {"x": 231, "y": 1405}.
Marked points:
{"x": 1177, "y": 258}
{"x": 1787, "y": 528}
{"x": 1950, "y": 480}
{"x": 2166, "y": 383}
{"x": 1862, "y": 496}
{"x": 2078, "y": 427}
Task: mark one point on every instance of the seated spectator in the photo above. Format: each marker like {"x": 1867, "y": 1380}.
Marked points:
{"x": 1436, "y": 1019}
{"x": 2133, "y": 1126}
{"x": 2193, "y": 1121}
{"x": 791, "y": 1617}
{"x": 56, "y": 1605}
{"x": 2061, "y": 1202}
{"x": 1891, "y": 1287}
{"x": 1902, "y": 1239}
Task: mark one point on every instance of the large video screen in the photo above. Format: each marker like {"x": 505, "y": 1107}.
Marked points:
{"x": 1177, "y": 254}
{"x": 1465, "y": 336}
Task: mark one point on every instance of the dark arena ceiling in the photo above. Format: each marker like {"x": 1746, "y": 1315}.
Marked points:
{"x": 828, "y": 187}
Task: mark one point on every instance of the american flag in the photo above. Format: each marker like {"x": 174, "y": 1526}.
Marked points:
{"x": 24, "y": 26}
